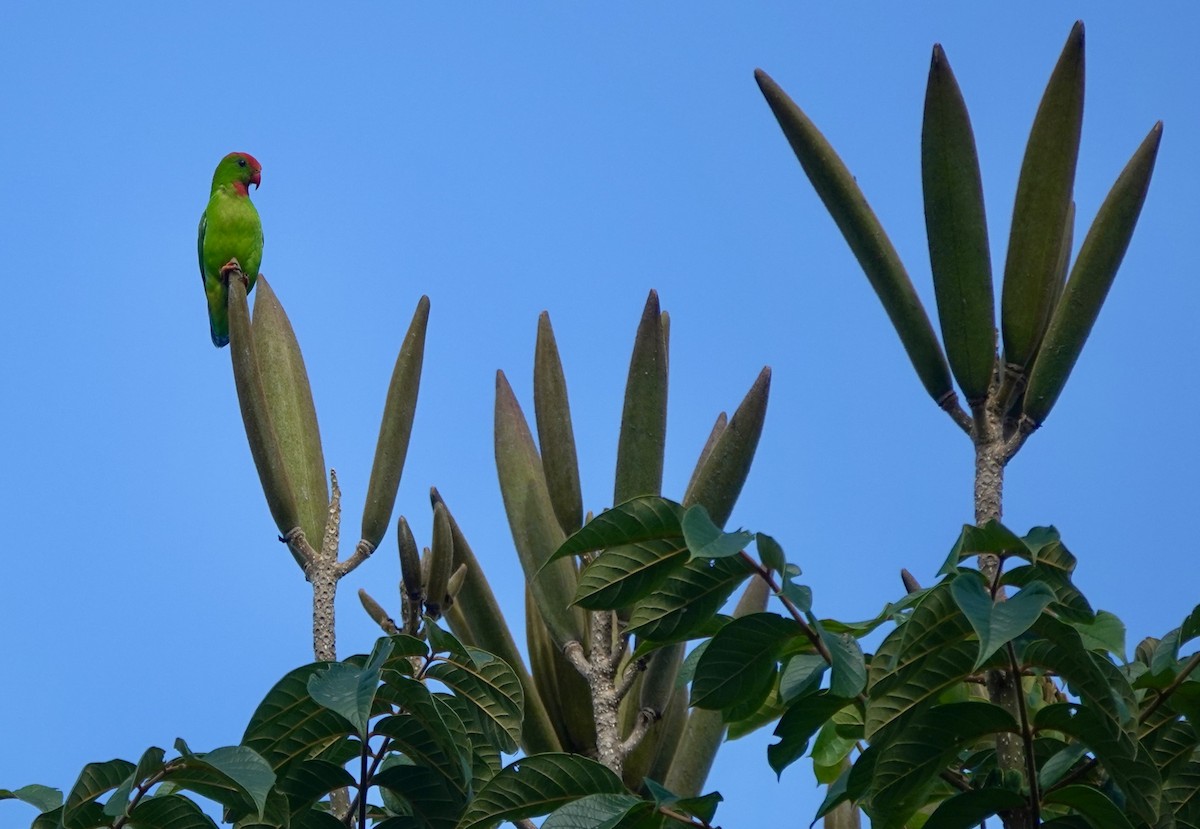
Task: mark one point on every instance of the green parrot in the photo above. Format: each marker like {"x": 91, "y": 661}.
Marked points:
{"x": 229, "y": 229}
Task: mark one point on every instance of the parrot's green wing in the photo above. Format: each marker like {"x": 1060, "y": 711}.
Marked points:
{"x": 200, "y": 242}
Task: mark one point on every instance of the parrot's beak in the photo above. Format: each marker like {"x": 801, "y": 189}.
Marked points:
{"x": 256, "y": 179}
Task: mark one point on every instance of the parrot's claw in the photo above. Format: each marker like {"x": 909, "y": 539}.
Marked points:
{"x": 230, "y": 268}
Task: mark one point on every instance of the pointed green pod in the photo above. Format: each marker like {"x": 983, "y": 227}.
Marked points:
{"x": 871, "y": 246}
{"x": 441, "y": 563}
{"x": 719, "y": 479}
{"x": 556, "y": 437}
{"x": 1091, "y": 277}
{"x": 256, "y": 415}
{"x": 476, "y": 606}
{"x": 641, "y": 446}
{"x": 1041, "y": 206}
{"x": 956, "y": 225}
{"x": 535, "y": 529}
{"x": 410, "y": 562}
{"x": 717, "y": 429}
{"x": 293, "y": 415}
{"x": 395, "y": 429}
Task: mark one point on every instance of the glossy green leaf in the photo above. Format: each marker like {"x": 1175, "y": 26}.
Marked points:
{"x": 969, "y": 809}
{"x": 706, "y": 540}
{"x": 289, "y": 724}
{"x": 537, "y": 785}
{"x": 169, "y": 811}
{"x": 802, "y": 675}
{"x": 1059, "y": 648}
{"x": 485, "y": 754}
{"x": 430, "y": 734}
{"x": 622, "y": 575}
{"x": 956, "y": 224}
{"x": 491, "y": 685}
{"x": 1105, "y": 633}
{"x": 350, "y": 690}
{"x": 1093, "y": 804}
{"x": 1091, "y": 277}
{"x": 870, "y": 245}
{"x": 848, "y": 671}
{"x": 992, "y": 538}
{"x": 1181, "y": 792}
{"x": 95, "y": 780}
{"x": 741, "y": 660}
{"x": 770, "y": 552}
{"x": 1123, "y": 758}
{"x": 433, "y": 804}
{"x": 595, "y": 811}
{"x": 310, "y": 780}
{"x": 796, "y": 727}
{"x": 998, "y": 623}
{"x": 909, "y": 762}
{"x": 556, "y": 436}
{"x": 687, "y": 598}
{"x": 1043, "y": 200}
{"x": 644, "y": 518}
{"x": 42, "y": 798}
{"x": 642, "y": 442}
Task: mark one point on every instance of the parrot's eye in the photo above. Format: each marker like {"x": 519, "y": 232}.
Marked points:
{"x": 241, "y": 162}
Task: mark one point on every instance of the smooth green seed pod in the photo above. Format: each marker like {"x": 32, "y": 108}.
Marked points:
{"x": 670, "y": 731}
{"x": 719, "y": 478}
{"x": 395, "y": 429}
{"x": 454, "y": 585}
{"x": 410, "y": 563}
{"x": 871, "y": 246}
{"x": 654, "y": 691}
{"x": 293, "y": 415}
{"x": 535, "y": 529}
{"x": 1091, "y": 277}
{"x": 717, "y": 429}
{"x": 1044, "y": 193}
{"x": 256, "y": 415}
{"x": 560, "y": 686}
{"x": 441, "y": 563}
{"x": 556, "y": 436}
{"x": 642, "y": 442}
{"x": 705, "y": 730}
{"x": 956, "y": 225}
{"x": 476, "y": 615}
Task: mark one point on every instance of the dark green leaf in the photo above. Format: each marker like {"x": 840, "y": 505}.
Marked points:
{"x": 432, "y": 803}
{"x": 622, "y": 575}
{"x": 741, "y": 660}
{"x": 169, "y": 811}
{"x": 848, "y": 676}
{"x": 1128, "y": 762}
{"x": 537, "y": 785}
{"x": 1093, "y": 804}
{"x": 835, "y": 795}
{"x": 349, "y": 690}
{"x": 644, "y": 518}
{"x": 770, "y": 552}
{"x": 1104, "y": 633}
{"x": 95, "y": 780}
{"x": 801, "y": 675}
{"x": 802, "y": 719}
{"x": 705, "y": 539}
{"x": 430, "y": 734}
{"x": 310, "y": 780}
{"x": 442, "y": 641}
{"x": 993, "y": 538}
{"x": 42, "y": 798}
{"x": 595, "y": 811}
{"x": 969, "y": 809}
{"x": 998, "y": 623}
{"x": 688, "y": 598}
{"x": 491, "y": 685}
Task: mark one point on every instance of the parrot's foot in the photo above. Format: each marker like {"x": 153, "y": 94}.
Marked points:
{"x": 234, "y": 267}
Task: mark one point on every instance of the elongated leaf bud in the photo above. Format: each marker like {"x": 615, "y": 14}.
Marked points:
{"x": 1040, "y": 210}
{"x": 957, "y": 229}
{"x": 719, "y": 479}
{"x": 260, "y": 433}
{"x": 1093, "y": 274}
{"x": 556, "y": 437}
{"x": 293, "y": 415}
{"x": 441, "y": 562}
{"x": 642, "y": 443}
{"x": 395, "y": 429}
{"x": 535, "y": 529}
{"x": 377, "y": 613}
{"x": 410, "y": 563}
{"x": 871, "y": 246}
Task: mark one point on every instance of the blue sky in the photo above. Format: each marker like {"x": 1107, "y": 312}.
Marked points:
{"x": 507, "y": 160}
